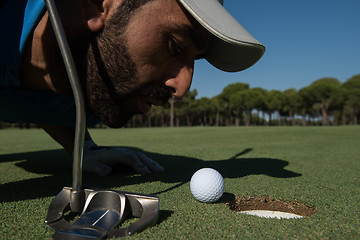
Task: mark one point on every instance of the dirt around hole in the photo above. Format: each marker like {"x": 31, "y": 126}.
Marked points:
{"x": 271, "y": 204}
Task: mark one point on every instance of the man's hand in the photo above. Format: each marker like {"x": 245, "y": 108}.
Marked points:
{"x": 100, "y": 160}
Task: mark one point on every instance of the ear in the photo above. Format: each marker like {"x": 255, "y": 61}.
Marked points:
{"x": 95, "y": 12}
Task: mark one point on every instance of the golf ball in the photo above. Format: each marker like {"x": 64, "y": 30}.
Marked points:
{"x": 207, "y": 185}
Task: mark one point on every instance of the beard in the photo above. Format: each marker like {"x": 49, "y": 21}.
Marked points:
{"x": 111, "y": 86}
{"x": 113, "y": 96}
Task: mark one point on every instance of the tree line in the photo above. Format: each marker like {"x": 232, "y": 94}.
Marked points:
{"x": 325, "y": 102}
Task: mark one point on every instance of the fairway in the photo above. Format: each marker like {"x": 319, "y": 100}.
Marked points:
{"x": 317, "y": 166}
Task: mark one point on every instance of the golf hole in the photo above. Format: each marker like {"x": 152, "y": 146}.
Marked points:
{"x": 268, "y": 207}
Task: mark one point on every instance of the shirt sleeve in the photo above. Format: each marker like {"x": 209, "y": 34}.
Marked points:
{"x": 17, "y": 21}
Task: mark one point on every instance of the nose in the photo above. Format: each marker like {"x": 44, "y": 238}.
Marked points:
{"x": 181, "y": 81}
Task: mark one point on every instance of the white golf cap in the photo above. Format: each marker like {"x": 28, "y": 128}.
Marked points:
{"x": 232, "y": 48}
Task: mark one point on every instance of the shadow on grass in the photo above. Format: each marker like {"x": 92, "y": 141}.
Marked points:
{"x": 56, "y": 165}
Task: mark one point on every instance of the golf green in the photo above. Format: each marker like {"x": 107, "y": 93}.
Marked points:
{"x": 315, "y": 166}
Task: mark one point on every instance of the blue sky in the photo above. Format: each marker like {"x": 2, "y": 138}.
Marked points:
{"x": 305, "y": 41}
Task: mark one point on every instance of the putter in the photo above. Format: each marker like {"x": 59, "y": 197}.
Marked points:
{"x": 101, "y": 211}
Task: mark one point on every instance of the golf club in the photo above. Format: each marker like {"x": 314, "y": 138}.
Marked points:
{"x": 101, "y": 211}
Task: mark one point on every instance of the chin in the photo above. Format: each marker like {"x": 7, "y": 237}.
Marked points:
{"x": 112, "y": 115}
{"x": 116, "y": 121}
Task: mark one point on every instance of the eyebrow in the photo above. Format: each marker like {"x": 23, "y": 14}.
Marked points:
{"x": 192, "y": 34}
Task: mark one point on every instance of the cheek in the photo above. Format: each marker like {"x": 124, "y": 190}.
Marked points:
{"x": 149, "y": 52}
{"x": 144, "y": 43}
{"x": 147, "y": 73}
{"x": 152, "y": 63}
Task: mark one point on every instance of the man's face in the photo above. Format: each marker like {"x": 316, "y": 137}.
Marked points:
{"x": 141, "y": 59}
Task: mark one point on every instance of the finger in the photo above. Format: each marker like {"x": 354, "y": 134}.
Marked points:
{"x": 116, "y": 156}
{"x": 136, "y": 164}
{"x": 154, "y": 166}
{"x": 97, "y": 168}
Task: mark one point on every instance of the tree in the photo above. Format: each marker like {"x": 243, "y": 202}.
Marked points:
{"x": 245, "y": 101}
{"x": 203, "y": 107}
{"x": 226, "y": 94}
{"x": 305, "y": 104}
{"x": 274, "y": 102}
{"x": 251, "y": 98}
{"x": 159, "y": 115}
{"x": 183, "y": 108}
{"x": 219, "y": 107}
{"x": 172, "y": 101}
{"x": 352, "y": 98}
{"x": 236, "y": 104}
{"x": 325, "y": 92}
{"x": 259, "y": 104}
{"x": 292, "y": 103}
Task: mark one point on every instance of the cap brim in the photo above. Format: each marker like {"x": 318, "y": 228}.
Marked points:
{"x": 232, "y": 48}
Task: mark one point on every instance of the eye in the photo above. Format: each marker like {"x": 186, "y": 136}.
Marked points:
{"x": 175, "y": 47}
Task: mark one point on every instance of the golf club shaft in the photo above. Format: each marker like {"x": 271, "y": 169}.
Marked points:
{"x": 77, "y": 91}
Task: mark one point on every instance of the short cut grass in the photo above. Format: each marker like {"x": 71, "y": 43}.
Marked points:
{"x": 316, "y": 166}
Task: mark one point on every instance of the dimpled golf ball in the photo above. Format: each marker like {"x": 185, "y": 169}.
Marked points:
{"x": 207, "y": 185}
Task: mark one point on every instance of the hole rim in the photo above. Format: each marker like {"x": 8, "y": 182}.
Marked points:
{"x": 269, "y": 203}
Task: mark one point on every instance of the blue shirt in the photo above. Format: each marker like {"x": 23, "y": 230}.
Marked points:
{"x": 18, "y": 19}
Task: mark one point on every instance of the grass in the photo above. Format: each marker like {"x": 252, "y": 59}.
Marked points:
{"x": 318, "y": 166}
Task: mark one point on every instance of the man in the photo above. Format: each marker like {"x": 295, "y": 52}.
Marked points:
{"x": 129, "y": 55}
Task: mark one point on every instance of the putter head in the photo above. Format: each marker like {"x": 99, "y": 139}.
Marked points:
{"x": 103, "y": 212}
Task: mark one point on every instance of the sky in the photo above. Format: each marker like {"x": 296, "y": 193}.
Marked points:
{"x": 305, "y": 40}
